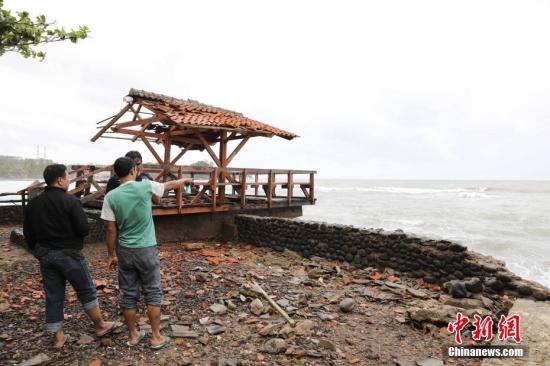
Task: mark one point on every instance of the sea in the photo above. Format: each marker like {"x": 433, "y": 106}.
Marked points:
{"x": 509, "y": 220}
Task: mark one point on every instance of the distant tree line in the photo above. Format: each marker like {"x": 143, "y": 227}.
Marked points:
{"x": 14, "y": 167}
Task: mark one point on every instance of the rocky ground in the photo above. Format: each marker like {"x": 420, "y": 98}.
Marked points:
{"x": 344, "y": 316}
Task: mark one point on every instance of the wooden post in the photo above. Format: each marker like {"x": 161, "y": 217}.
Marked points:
{"x": 223, "y": 160}
{"x": 180, "y": 192}
{"x": 214, "y": 193}
{"x": 269, "y": 188}
{"x": 243, "y": 189}
{"x": 289, "y": 187}
{"x": 167, "y": 148}
{"x": 311, "y": 188}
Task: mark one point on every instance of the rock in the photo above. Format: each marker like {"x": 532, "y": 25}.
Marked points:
{"x": 145, "y": 328}
{"x": 4, "y": 306}
{"x": 275, "y": 346}
{"x": 326, "y": 344}
{"x": 257, "y": 307}
{"x": 417, "y": 293}
{"x": 164, "y": 318}
{"x": 231, "y": 305}
{"x": 315, "y": 273}
{"x": 430, "y": 362}
{"x": 401, "y": 362}
{"x": 328, "y": 316}
{"x": 286, "y": 331}
{"x": 494, "y": 284}
{"x": 455, "y": 247}
{"x": 434, "y": 312}
{"x": 304, "y": 327}
{"x": 268, "y": 330}
{"x": 85, "y": 339}
{"x": 219, "y": 309}
{"x": 201, "y": 277}
{"x": 347, "y": 305}
{"x": 215, "y": 329}
{"x": 336, "y": 298}
{"x": 37, "y": 360}
{"x": 461, "y": 303}
{"x": 228, "y": 362}
{"x": 183, "y": 331}
{"x": 193, "y": 246}
{"x": 185, "y": 362}
{"x": 474, "y": 285}
{"x": 106, "y": 342}
{"x": 525, "y": 290}
{"x": 456, "y": 288}
{"x": 205, "y": 321}
{"x": 283, "y": 303}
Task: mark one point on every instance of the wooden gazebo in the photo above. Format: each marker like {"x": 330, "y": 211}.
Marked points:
{"x": 160, "y": 120}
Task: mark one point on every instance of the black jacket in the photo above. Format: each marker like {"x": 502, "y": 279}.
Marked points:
{"x": 114, "y": 181}
{"x": 55, "y": 220}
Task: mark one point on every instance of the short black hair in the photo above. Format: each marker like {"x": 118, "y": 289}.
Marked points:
{"x": 133, "y": 154}
{"x": 123, "y": 166}
{"x": 54, "y": 171}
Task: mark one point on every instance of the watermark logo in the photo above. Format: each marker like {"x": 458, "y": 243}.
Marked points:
{"x": 508, "y": 327}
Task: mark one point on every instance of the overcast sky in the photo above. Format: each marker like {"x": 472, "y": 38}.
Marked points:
{"x": 379, "y": 89}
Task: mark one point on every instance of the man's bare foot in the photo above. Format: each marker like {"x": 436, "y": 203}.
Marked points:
{"x": 60, "y": 340}
{"x": 135, "y": 338}
{"x": 106, "y": 328}
{"x": 157, "y": 340}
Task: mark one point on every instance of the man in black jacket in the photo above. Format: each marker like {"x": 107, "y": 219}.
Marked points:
{"x": 55, "y": 226}
{"x": 114, "y": 181}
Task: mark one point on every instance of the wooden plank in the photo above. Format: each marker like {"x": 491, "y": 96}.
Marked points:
{"x": 243, "y": 189}
{"x": 150, "y": 147}
{"x": 197, "y": 198}
{"x": 111, "y": 122}
{"x": 208, "y": 149}
{"x": 223, "y": 158}
{"x": 311, "y": 188}
{"x": 256, "y": 184}
{"x": 269, "y": 189}
{"x": 289, "y": 189}
{"x": 146, "y": 121}
{"x": 213, "y": 185}
{"x": 180, "y": 192}
{"x": 236, "y": 151}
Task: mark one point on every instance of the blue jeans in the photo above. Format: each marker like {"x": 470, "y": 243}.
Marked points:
{"x": 57, "y": 268}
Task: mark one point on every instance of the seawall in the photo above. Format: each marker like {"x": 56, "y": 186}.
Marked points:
{"x": 440, "y": 262}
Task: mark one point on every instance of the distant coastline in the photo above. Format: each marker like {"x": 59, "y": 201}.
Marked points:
{"x": 18, "y": 168}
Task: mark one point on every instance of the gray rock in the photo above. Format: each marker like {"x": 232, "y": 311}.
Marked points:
{"x": 228, "y": 362}
{"x": 215, "y": 329}
{"x": 283, "y": 303}
{"x": 218, "y": 309}
{"x": 268, "y": 330}
{"x": 400, "y": 362}
{"x": 275, "y": 346}
{"x": 193, "y": 246}
{"x": 430, "y": 362}
{"x": 181, "y": 331}
{"x": 257, "y": 307}
{"x": 474, "y": 285}
{"x": 347, "y": 305}
{"x": 37, "y": 360}
{"x": 231, "y": 305}
{"x": 456, "y": 288}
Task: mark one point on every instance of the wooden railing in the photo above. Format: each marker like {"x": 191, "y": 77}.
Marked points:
{"x": 213, "y": 189}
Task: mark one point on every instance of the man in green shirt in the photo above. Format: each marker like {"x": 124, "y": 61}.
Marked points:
{"x": 128, "y": 213}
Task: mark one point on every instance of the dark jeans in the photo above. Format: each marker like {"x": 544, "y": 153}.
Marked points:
{"x": 57, "y": 268}
{"x": 139, "y": 268}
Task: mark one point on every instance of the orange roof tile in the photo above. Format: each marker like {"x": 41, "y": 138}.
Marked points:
{"x": 190, "y": 112}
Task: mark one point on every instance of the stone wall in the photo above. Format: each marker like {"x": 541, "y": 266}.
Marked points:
{"x": 11, "y": 214}
{"x": 436, "y": 261}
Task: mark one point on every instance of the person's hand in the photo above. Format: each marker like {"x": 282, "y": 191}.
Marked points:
{"x": 112, "y": 263}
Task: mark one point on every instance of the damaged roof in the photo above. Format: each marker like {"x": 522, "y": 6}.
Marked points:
{"x": 189, "y": 113}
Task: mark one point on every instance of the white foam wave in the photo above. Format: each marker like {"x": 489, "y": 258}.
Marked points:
{"x": 461, "y": 192}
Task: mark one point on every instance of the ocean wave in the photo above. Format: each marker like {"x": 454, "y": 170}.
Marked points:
{"x": 461, "y": 192}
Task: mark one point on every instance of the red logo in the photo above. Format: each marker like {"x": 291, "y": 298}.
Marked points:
{"x": 508, "y": 327}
